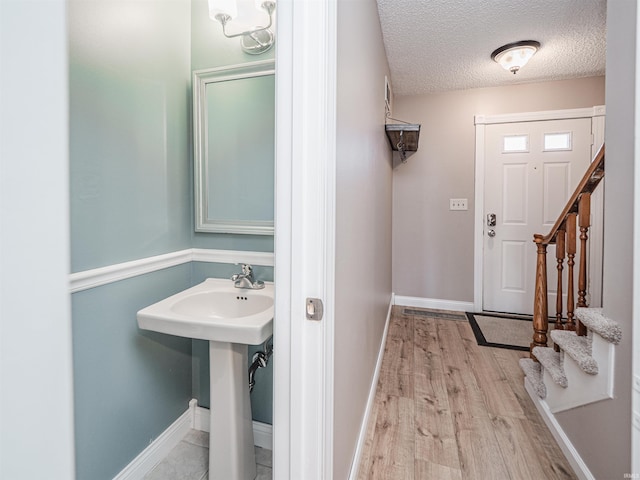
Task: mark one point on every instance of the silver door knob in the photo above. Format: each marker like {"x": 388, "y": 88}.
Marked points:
{"x": 491, "y": 233}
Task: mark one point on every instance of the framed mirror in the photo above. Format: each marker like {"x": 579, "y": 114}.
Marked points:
{"x": 234, "y": 145}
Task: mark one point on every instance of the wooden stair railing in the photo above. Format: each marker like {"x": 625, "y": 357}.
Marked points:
{"x": 576, "y": 214}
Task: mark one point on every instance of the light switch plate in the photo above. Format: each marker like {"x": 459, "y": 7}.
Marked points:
{"x": 458, "y": 204}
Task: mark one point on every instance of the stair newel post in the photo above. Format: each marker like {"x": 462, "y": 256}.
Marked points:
{"x": 540, "y": 305}
{"x": 571, "y": 254}
{"x": 560, "y": 253}
{"x": 584, "y": 221}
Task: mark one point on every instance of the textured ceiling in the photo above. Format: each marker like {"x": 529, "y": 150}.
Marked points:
{"x": 438, "y": 45}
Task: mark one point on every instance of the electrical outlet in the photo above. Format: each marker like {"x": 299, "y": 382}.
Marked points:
{"x": 458, "y": 204}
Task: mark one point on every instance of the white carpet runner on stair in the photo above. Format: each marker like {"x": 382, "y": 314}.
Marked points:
{"x": 552, "y": 365}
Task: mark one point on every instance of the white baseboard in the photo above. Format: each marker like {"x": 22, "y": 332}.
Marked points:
{"x": 362, "y": 437}
{"x": 573, "y": 457}
{"x": 195, "y": 417}
{"x": 158, "y": 449}
{"x": 434, "y": 303}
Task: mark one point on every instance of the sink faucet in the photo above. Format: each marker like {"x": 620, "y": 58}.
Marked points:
{"x": 245, "y": 279}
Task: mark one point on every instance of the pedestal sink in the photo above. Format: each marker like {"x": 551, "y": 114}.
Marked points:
{"x": 229, "y": 318}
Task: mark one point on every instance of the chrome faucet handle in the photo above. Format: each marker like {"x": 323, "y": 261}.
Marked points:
{"x": 247, "y": 269}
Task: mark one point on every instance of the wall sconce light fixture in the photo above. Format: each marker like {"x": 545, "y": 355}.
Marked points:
{"x": 254, "y": 41}
{"x": 514, "y": 56}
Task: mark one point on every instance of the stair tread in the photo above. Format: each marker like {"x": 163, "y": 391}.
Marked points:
{"x": 533, "y": 371}
{"x": 594, "y": 320}
{"x": 578, "y": 348}
{"x": 552, "y": 363}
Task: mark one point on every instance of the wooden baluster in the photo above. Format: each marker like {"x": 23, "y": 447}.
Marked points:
{"x": 560, "y": 252}
{"x": 540, "y": 306}
{"x": 584, "y": 220}
{"x": 571, "y": 254}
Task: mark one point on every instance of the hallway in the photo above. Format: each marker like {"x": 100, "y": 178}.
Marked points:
{"x": 448, "y": 409}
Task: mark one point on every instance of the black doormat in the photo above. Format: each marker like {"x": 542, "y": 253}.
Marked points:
{"x": 502, "y": 331}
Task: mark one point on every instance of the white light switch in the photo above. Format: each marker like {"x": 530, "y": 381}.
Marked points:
{"x": 458, "y": 204}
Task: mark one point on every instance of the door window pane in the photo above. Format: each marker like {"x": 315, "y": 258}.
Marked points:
{"x": 557, "y": 141}
{"x": 515, "y": 143}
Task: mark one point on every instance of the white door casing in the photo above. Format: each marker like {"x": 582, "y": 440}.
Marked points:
{"x": 304, "y": 239}
{"x": 536, "y": 185}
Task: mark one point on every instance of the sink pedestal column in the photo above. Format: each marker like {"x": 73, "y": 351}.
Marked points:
{"x": 231, "y": 452}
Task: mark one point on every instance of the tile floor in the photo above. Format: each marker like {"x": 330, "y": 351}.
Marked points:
{"x": 189, "y": 460}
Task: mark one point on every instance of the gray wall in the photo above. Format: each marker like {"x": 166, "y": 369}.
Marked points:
{"x": 602, "y": 431}
{"x": 432, "y": 246}
{"x": 363, "y": 227}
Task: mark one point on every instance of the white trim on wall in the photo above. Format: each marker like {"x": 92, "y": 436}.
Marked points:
{"x": 541, "y": 116}
{"x": 434, "y": 303}
{"x": 304, "y": 240}
{"x": 112, "y": 273}
{"x": 264, "y": 259}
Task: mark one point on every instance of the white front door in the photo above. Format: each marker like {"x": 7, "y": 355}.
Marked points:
{"x": 531, "y": 169}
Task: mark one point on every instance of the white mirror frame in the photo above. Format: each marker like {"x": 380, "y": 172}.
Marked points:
{"x": 200, "y": 80}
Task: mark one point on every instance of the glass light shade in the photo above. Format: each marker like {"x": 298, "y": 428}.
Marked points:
{"x": 223, "y": 7}
{"x": 515, "y": 56}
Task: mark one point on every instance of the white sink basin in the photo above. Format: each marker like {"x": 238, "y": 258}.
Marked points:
{"x": 214, "y": 310}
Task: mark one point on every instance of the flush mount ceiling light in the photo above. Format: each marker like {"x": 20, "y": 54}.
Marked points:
{"x": 254, "y": 41}
{"x": 514, "y": 56}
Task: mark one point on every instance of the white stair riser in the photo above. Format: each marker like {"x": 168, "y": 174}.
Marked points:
{"x": 583, "y": 388}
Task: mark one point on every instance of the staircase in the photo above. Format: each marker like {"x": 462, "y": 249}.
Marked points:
{"x": 578, "y": 368}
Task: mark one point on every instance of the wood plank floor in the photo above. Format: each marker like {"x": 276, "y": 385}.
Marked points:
{"x": 448, "y": 409}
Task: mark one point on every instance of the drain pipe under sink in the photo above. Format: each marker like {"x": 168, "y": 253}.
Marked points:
{"x": 260, "y": 360}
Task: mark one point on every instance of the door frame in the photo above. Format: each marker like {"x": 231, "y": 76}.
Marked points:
{"x": 306, "y": 60}
{"x": 597, "y": 115}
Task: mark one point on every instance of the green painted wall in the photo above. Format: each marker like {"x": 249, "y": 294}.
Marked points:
{"x": 129, "y": 80}
{"x": 129, "y": 384}
{"x": 131, "y": 178}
